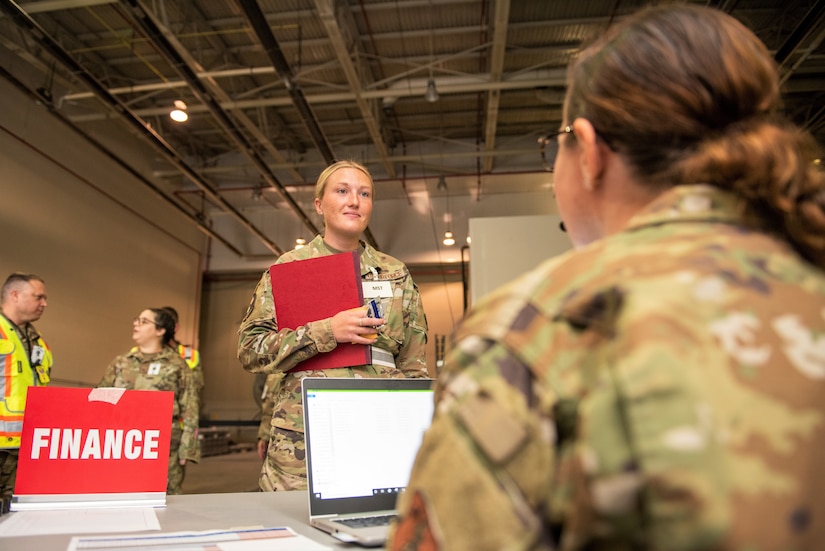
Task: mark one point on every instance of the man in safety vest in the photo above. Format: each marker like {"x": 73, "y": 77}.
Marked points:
{"x": 25, "y": 360}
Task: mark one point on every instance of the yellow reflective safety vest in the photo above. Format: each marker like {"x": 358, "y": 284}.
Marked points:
{"x": 19, "y": 373}
{"x": 190, "y": 355}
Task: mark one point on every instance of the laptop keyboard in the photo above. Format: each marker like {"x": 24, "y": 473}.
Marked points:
{"x": 363, "y": 522}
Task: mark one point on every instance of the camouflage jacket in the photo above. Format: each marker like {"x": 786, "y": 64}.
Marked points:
{"x": 263, "y": 348}
{"x": 165, "y": 370}
{"x": 660, "y": 389}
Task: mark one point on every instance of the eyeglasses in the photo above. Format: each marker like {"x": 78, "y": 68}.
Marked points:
{"x": 143, "y": 321}
{"x": 549, "y": 147}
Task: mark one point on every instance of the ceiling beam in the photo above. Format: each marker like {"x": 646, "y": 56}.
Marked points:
{"x": 24, "y": 22}
{"x": 257, "y": 21}
{"x": 209, "y": 94}
{"x": 501, "y": 16}
{"x": 446, "y": 85}
{"x": 368, "y": 110}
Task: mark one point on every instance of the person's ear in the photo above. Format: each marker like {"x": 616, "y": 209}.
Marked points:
{"x": 318, "y": 207}
{"x": 590, "y": 159}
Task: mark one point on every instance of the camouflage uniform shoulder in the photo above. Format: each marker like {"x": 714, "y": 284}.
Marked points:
{"x": 169, "y": 354}
{"x": 313, "y": 249}
{"x": 495, "y": 314}
{"x": 391, "y": 267}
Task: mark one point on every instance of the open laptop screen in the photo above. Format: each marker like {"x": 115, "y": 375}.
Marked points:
{"x": 362, "y": 436}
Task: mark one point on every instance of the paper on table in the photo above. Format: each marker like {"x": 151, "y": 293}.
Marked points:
{"x": 248, "y": 539}
{"x": 78, "y": 521}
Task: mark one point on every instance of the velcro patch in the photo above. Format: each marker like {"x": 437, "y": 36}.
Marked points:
{"x": 494, "y": 430}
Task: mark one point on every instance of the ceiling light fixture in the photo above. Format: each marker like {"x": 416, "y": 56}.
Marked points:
{"x": 258, "y": 192}
{"x": 449, "y": 240}
{"x": 179, "y": 114}
{"x": 442, "y": 183}
{"x": 431, "y": 94}
{"x": 300, "y": 242}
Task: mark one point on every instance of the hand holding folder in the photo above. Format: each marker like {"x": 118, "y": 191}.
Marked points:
{"x": 319, "y": 288}
{"x": 361, "y": 321}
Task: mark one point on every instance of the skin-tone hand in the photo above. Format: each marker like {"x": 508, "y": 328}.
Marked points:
{"x": 182, "y": 461}
{"x": 262, "y": 445}
{"x": 354, "y": 326}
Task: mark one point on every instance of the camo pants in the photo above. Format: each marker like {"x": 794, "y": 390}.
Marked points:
{"x": 284, "y": 468}
{"x": 176, "y": 471}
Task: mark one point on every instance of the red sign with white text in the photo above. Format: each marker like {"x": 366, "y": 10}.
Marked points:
{"x": 91, "y": 441}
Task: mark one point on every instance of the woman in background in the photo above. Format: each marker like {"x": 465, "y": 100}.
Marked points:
{"x": 154, "y": 365}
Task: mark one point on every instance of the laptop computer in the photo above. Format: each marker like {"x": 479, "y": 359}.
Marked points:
{"x": 361, "y": 436}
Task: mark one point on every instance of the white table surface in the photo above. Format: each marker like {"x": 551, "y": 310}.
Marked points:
{"x": 198, "y": 512}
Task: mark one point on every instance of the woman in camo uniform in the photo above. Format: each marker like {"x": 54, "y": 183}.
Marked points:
{"x": 343, "y": 197}
{"x": 154, "y": 365}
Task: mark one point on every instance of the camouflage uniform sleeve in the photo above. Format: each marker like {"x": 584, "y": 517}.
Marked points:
{"x": 197, "y": 375}
{"x": 109, "y": 375}
{"x": 189, "y": 405}
{"x": 411, "y": 358}
{"x": 262, "y": 348}
{"x": 484, "y": 467}
{"x": 268, "y": 404}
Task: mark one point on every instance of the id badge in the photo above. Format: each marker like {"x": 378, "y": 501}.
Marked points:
{"x": 154, "y": 368}
{"x": 42, "y": 375}
{"x": 377, "y": 289}
{"x": 38, "y": 353}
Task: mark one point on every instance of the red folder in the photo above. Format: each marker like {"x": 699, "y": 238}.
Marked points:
{"x": 315, "y": 289}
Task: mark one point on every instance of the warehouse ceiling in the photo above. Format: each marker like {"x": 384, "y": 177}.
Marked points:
{"x": 277, "y": 89}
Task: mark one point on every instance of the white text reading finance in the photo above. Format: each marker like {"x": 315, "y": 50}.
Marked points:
{"x": 88, "y": 444}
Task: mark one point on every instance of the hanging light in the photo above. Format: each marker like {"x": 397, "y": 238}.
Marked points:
{"x": 258, "y": 192}
{"x": 431, "y": 94}
{"x": 300, "y": 242}
{"x": 179, "y": 114}
{"x": 442, "y": 184}
{"x": 449, "y": 240}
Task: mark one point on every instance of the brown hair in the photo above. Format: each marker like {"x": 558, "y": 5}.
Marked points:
{"x": 165, "y": 321}
{"x": 15, "y": 281}
{"x": 687, "y": 94}
{"x": 321, "y": 183}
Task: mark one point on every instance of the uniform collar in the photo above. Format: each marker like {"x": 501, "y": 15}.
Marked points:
{"x": 689, "y": 203}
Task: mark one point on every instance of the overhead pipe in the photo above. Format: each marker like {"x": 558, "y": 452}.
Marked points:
{"x": 39, "y": 35}
{"x": 156, "y": 35}
{"x": 414, "y": 87}
{"x": 273, "y": 50}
